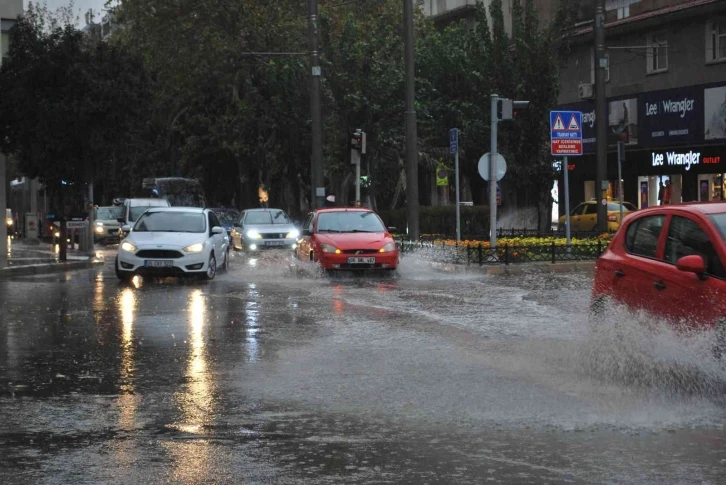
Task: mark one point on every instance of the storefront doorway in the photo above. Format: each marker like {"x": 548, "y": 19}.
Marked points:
{"x": 710, "y": 187}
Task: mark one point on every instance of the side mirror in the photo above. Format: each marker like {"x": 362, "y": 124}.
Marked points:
{"x": 218, "y": 230}
{"x": 692, "y": 263}
{"x": 392, "y": 229}
{"x": 306, "y": 232}
{"x": 121, "y": 220}
{"x": 126, "y": 228}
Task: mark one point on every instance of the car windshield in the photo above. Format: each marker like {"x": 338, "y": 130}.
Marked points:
{"x": 614, "y": 206}
{"x": 136, "y": 211}
{"x": 228, "y": 217}
{"x": 719, "y": 220}
{"x": 170, "y": 222}
{"x": 109, "y": 213}
{"x": 267, "y": 217}
{"x": 355, "y": 221}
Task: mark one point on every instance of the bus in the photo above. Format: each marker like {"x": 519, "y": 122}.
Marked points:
{"x": 180, "y": 192}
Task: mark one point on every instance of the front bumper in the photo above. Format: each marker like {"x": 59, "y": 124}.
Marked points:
{"x": 188, "y": 264}
{"x": 265, "y": 244}
{"x": 383, "y": 261}
{"x": 107, "y": 234}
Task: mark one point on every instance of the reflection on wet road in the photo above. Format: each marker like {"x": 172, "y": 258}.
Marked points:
{"x": 276, "y": 374}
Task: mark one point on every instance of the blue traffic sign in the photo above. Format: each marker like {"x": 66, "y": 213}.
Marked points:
{"x": 453, "y": 140}
{"x": 566, "y": 132}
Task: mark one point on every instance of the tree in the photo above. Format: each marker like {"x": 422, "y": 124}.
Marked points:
{"x": 68, "y": 106}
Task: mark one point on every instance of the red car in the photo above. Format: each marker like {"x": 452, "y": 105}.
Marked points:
{"x": 668, "y": 260}
{"x": 347, "y": 239}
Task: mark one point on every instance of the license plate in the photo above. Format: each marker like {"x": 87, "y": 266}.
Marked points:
{"x": 159, "y": 264}
{"x": 274, "y": 243}
{"x": 361, "y": 260}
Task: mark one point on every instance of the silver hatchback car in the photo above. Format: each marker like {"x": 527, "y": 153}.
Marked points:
{"x": 259, "y": 229}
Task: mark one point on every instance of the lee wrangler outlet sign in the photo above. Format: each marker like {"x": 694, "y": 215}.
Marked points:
{"x": 706, "y": 159}
{"x": 694, "y": 115}
{"x": 686, "y": 160}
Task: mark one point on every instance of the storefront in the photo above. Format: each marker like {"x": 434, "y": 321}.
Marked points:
{"x": 675, "y": 136}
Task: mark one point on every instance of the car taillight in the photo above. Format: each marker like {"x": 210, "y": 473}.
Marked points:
{"x": 612, "y": 218}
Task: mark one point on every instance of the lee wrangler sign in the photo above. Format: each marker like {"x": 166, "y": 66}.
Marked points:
{"x": 670, "y": 117}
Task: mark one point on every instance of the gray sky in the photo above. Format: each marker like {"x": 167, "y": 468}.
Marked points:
{"x": 80, "y": 7}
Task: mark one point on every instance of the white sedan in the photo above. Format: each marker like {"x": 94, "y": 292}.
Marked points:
{"x": 173, "y": 241}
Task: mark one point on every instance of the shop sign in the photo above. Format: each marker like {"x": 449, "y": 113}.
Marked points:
{"x": 670, "y": 117}
{"x": 587, "y": 108}
{"x": 684, "y": 159}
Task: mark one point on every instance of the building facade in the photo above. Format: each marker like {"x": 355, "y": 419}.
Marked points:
{"x": 666, "y": 90}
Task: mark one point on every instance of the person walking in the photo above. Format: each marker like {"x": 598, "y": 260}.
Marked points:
{"x": 668, "y": 193}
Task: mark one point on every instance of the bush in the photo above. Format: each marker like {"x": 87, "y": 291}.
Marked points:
{"x": 442, "y": 220}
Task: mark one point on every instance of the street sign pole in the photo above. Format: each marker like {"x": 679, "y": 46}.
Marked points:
{"x": 356, "y": 160}
{"x": 566, "y": 168}
{"x": 493, "y": 175}
{"x": 621, "y": 157}
{"x": 454, "y": 147}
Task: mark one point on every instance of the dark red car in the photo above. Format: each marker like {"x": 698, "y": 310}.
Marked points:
{"x": 347, "y": 239}
{"x": 668, "y": 260}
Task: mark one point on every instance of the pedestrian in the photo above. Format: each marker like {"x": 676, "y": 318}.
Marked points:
{"x": 154, "y": 194}
{"x": 668, "y": 193}
{"x": 660, "y": 192}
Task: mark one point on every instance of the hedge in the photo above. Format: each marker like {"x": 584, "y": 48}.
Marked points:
{"x": 441, "y": 220}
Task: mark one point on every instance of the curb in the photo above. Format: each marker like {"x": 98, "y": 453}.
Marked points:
{"x": 502, "y": 269}
{"x": 47, "y": 268}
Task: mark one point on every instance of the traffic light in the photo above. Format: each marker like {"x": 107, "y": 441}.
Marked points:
{"x": 508, "y": 109}
{"x": 358, "y": 141}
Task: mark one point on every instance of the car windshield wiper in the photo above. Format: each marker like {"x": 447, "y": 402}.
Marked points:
{"x": 329, "y": 230}
{"x": 361, "y": 230}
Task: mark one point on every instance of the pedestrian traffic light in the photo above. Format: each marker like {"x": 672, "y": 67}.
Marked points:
{"x": 358, "y": 141}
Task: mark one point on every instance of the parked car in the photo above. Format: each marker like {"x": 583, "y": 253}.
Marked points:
{"x": 133, "y": 208}
{"x": 259, "y": 229}
{"x": 669, "y": 261}
{"x": 583, "y": 218}
{"x": 228, "y": 217}
{"x": 347, "y": 239}
{"x": 106, "y": 228}
{"x": 173, "y": 241}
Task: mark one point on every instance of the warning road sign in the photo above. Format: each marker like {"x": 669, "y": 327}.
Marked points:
{"x": 566, "y": 139}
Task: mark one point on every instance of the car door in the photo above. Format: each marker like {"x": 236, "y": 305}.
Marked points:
{"x": 686, "y": 296}
{"x": 575, "y": 217}
{"x": 588, "y": 219}
{"x": 637, "y": 269}
{"x": 306, "y": 235}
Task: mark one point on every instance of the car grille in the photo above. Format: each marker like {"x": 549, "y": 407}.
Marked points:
{"x": 159, "y": 253}
{"x": 274, "y": 235}
{"x": 359, "y": 251}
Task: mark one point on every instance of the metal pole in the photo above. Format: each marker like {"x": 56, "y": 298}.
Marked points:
{"x": 91, "y": 221}
{"x": 458, "y": 197}
{"x": 3, "y": 207}
{"x": 356, "y": 158}
{"x": 601, "y": 113}
{"x": 567, "y": 200}
{"x": 412, "y": 211}
{"x": 493, "y": 175}
{"x": 317, "y": 177}
{"x": 621, "y": 152}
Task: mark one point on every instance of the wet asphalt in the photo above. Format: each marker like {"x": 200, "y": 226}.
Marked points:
{"x": 275, "y": 373}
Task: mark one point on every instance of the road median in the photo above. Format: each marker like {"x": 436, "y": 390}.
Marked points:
{"x": 505, "y": 269}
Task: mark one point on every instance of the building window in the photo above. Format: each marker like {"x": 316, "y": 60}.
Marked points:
{"x": 716, "y": 40}
{"x": 657, "y": 57}
{"x": 4, "y": 46}
{"x": 623, "y": 12}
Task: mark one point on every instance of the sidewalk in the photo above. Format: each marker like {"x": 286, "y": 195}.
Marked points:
{"x": 27, "y": 259}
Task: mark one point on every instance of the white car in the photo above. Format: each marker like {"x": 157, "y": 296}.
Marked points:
{"x": 173, "y": 241}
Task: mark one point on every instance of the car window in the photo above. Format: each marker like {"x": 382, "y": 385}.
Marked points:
{"x": 258, "y": 217}
{"x": 308, "y": 225}
{"x": 685, "y": 237}
{"x": 354, "y": 221}
{"x": 229, "y": 217}
{"x": 213, "y": 220}
{"x": 135, "y": 212}
{"x": 643, "y": 234}
{"x": 170, "y": 222}
{"x": 109, "y": 213}
{"x": 589, "y": 209}
{"x": 577, "y": 211}
{"x": 615, "y": 207}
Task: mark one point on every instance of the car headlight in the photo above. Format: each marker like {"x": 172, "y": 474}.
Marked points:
{"x": 127, "y": 246}
{"x": 294, "y": 234}
{"x": 99, "y": 229}
{"x": 194, "y": 248}
{"x": 9, "y": 221}
{"x": 99, "y": 223}
{"x": 388, "y": 248}
{"x": 252, "y": 234}
{"x": 327, "y": 248}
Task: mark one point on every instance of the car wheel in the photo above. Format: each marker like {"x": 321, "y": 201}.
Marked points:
{"x": 124, "y": 276}
{"x": 211, "y": 268}
{"x": 225, "y": 266}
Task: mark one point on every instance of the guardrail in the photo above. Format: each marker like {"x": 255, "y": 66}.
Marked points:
{"x": 480, "y": 254}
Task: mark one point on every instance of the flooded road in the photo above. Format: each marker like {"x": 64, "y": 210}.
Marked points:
{"x": 274, "y": 374}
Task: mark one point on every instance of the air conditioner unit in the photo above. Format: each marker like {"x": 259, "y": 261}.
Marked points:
{"x": 585, "y": 90}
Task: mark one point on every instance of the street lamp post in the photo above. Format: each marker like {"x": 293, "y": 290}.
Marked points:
{"x": 412, "y": 209}
{"x": 317, "y": 176}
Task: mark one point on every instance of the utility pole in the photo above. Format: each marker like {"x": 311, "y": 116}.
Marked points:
{"x": 493, "y": 172}
{"x": 357, "y": 148}
{"x": 3, "y": 207}
{"x": 601, "y": 120}
{"x": 411, "y": 143}
{"x": 317, "y": 178}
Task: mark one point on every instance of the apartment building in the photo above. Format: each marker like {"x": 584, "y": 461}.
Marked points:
{"x": 666, "y": 90}
{"x": 9, "y": 11}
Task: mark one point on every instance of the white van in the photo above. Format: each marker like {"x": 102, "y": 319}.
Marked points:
{"x": 133, "y": 208}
